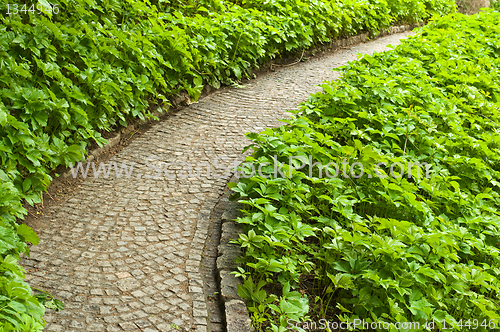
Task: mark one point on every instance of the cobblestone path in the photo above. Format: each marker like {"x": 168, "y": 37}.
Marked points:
{"x": 124, "y": 253}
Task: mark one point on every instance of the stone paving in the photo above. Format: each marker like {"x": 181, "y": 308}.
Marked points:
{"x": 124, "y": 253}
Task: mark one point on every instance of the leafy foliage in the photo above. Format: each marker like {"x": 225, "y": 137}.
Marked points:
{"x": 67, "y": 76}
{"x": 495, "y": 5}
{"x": 394, "y": 249}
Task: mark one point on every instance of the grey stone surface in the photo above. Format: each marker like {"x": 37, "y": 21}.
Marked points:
{"x": 237, "y": 318}
{"x": 230, "y": 231}
{"x": 233, "y": 249}
{"x": 232, "y": 213}
{"x": 226, "y": 261}
{"x": 229, "y": 286}
{"x": 123, "y": 252}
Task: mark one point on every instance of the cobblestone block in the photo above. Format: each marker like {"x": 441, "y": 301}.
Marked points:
{"x": 230, "y": 231}
{"x": 229, "y": 286}
{"x": 237, "y": 318}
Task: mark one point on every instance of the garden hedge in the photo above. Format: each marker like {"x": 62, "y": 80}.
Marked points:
{"x": 71, "y": 70}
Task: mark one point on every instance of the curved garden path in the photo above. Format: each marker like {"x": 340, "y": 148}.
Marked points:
{"x": 124, "y": 253}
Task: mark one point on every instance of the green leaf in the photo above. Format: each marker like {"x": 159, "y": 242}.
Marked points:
{"x": 3, "y": 117}
{"x": 28, "y": 234}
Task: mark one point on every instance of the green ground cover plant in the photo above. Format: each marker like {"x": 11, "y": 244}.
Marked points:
{"x": 77, "y": 69}
{"x": 408, "y": 248}
{"x": 495, "y": 5}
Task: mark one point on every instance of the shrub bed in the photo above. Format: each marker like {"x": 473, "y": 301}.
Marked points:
{"x": 411, "y": 247}
{"x": 77, "y": 68}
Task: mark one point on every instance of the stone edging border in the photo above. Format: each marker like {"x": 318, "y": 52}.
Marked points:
{"x": 193, "y": 268}
{"x": 236, "y": 313}
{"x": 235, "y": 309}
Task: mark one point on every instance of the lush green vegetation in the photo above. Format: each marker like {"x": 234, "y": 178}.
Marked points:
{"x": 394, "y": 249}
{"x": 495, "y": 5}
{"x": 68, "y": 75}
